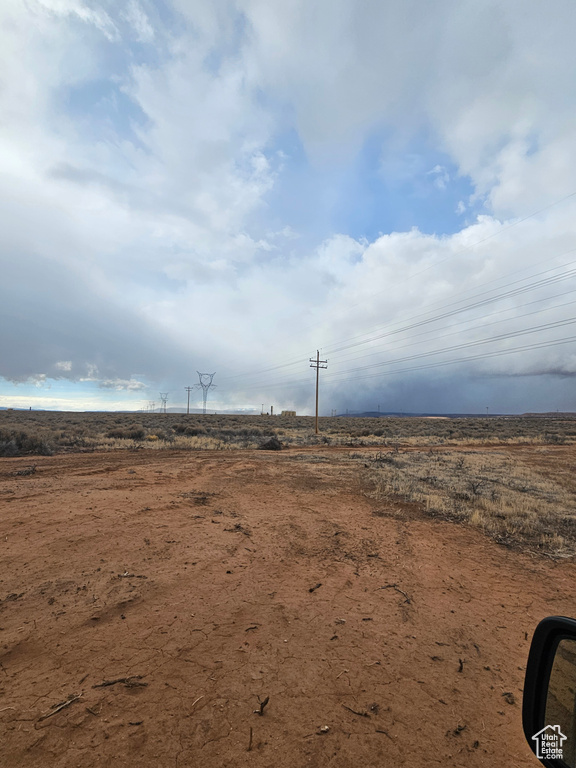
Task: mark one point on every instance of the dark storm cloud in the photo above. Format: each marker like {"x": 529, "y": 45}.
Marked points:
{"x": 561, "y": 373}
{"x": 50, "y": 313}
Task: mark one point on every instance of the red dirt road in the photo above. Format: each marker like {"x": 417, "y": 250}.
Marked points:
{"x": 191, "y": 576}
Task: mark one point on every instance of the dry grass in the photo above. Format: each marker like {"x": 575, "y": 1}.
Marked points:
{"x": 44, "y": 432}
{"x": 493, "y": 490}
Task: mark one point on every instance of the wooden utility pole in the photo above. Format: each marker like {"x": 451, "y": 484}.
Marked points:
{"x": 188, "y": 389}
{"x": 316, "y": 364}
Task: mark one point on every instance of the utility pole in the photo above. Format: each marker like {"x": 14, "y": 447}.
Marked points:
{"x": 163, "y": 400}
{"x": 188, "y": 389}
{"x": 316, "y": 364}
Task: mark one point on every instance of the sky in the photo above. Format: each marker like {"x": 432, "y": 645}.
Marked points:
{"x": 228, "y": 186}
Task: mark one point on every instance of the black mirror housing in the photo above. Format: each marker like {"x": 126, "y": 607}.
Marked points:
{"x": 553, "y": 648}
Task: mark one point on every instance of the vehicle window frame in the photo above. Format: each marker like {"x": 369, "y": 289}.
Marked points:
{"x": 548, "y": 634}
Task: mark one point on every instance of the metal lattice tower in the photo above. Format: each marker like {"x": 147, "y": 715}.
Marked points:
{"x": 205, "y": 383}
{"x": 164, "y": 400}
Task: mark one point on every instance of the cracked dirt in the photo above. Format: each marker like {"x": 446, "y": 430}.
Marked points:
{"x": 198, "y": 584}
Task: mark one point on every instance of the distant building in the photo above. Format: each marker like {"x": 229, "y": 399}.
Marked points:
{"x": 288, "y": 413}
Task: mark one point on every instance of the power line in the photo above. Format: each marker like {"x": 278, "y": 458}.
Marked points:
{"x": 542, "y": 327}
{"x": 517, "y": 289}
{"x": 437, "y": 331}
{"x": 475, "y": 305}
{"x": 295, "y": 361}
{"x": 500, "y": 353}
{"x": 484, "y": 355}
{"x": 462, "y": 251}
{"x": 442, "y": 261}
{"x": 465, "y": 345}
{"x": 345, "y": 344}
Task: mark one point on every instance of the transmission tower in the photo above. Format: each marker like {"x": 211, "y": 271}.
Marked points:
{"x": 163, "y": 399}
{"x": 316, "y": 363}
{"x": 188, "y": 389}
{"x": 205, "y": 383}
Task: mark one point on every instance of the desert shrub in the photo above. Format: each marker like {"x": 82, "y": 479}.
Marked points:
{"x": 45, "y": 431}
{"x": 271, "y": 445}
{"x": 134, "y": 432}
{"x": 554, "y": 439}
{"x": 17, "y": 443}
{"x": 8, "y": 448}
{"x": 165, "y": 435}
{"x": 35, "y": 444}
{"x": 250, "y": 432}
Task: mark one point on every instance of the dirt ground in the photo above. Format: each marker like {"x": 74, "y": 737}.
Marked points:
{"x": 175, "y": 593}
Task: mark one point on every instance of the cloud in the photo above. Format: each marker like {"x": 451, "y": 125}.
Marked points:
{"x": 553, "y": 372}
{"x": 176, "y": 179}
{"x": 122, "y": 385}
{"x": 38, "y": 380}
{"x": 96, "y": 17}
{"x": 488, "y": 81}
{"x": 440, "y": 175}
{"x": 136, "y": 16}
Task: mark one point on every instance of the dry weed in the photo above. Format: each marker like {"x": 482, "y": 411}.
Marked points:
{"x": 492, "y": 490}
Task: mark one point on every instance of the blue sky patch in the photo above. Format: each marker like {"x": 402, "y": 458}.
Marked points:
{"x": 105, "y": 110}
{"x": 380, "y": 191}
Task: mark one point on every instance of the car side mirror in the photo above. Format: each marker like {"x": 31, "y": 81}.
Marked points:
{"x": 549, "y": 704}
